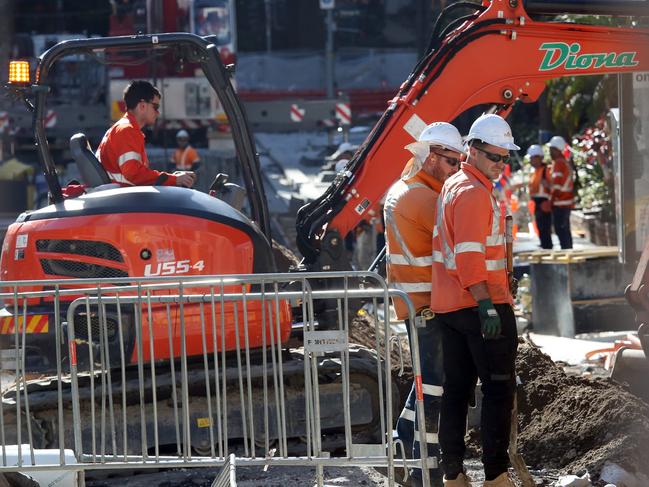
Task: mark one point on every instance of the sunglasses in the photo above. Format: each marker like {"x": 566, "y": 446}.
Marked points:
{"x": 451, "y": 161}
{"x": 495, "y": 157}
{"x": 156, "y": 106}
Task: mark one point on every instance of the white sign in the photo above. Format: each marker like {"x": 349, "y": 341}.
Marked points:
{"x": 327, "y": 4}
{"x": 325, "y": 341}
{"x": 297, "y": 113}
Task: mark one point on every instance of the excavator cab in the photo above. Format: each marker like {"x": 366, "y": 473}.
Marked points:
{"x": 138, "y": 231}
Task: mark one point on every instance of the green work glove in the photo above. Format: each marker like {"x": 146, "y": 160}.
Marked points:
{"x": 489, "y": 319}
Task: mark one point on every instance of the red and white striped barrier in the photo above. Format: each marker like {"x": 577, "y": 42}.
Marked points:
{"x": 344, "y": 113}
{"x": 50, "y": 119}
{"x": 297, "y": 113}
{"x": 4, "y": 122}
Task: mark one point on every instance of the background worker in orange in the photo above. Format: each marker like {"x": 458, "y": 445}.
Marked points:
{"x": 472, "y": 302}
{"x": 539, "y": 188}
{"x": 409, "y": 212}
{"x": 562, "y": 197}
{"x": 122, "y": 152}
{"x": 185, "y": 157}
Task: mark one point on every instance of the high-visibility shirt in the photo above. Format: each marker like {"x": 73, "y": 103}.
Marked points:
{"x": 184, "y": 158}
{"x": 468, "y": 243}
{"x": 123, "y": 156}
{"x": 562, "y": 184}
{"x": 409, "y": 221}
{"x": 539, "y": 183}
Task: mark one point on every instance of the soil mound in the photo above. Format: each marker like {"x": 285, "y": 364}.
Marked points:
{"x": 573, "y": 423}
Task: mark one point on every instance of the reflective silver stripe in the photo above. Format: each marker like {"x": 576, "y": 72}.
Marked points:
{"x": 431, "y": 390}
{"x": 469, "y": 247}
{"x": 398, "y": 259}
{"x": 563, "y": 202}
{"x": 413, "y": 287}
{"x": 435, "y": 231}
{"x": 407, "y": 414}
{"x": 430, "y": 437}
{"x": 495, "y": 265}
{"x": 438, "y": 257}
{"x": 495, "y": 240}
{"x": 127, "y": 156}
{"x": 119, "y": 177}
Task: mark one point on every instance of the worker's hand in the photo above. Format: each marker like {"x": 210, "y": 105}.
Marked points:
{"x": 513, "y": 286}
{"x": 185, "y": 178}
{"x": 489, "y": 319}
{"x": 546, "y": 206}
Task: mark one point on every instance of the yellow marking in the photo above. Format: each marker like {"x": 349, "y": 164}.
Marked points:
{"x": 203, "y": 422}
{"x": 33, "y": 323}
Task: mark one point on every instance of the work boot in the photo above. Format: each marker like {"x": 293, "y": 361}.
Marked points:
{"x": 460, "y": 481}
{"x": 502, "y": 480}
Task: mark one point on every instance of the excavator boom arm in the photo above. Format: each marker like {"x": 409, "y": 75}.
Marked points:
{"x": 497, "y": 56}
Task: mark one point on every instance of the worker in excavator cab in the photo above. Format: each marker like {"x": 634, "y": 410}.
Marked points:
{"x": 539, "y": 188}
{"x": 472, "y": 302}
{"x": 562, "y": 198}
{"x": 409, "y": 212}
{"x": 121, "y": 151}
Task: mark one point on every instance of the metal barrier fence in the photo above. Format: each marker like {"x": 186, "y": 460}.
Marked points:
{"x": 166, "y": 374}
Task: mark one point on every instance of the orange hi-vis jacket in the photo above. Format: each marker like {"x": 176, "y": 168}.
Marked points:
{"x": 468, "y": 243}
{"x": 123, "y": 156}
{"x": 539, "y": 185}
{"x": 409, "y": 221}
{"x": 562, "y": 184}
{"x": 184, "y": 158}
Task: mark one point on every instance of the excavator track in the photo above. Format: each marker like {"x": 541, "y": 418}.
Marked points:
{"x": 105, "y": 434}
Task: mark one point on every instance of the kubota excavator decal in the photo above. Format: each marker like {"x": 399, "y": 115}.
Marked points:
{"x": 174, "y": 267}
{"x": 35, "y": 324}
{"x": 559, "y": 54}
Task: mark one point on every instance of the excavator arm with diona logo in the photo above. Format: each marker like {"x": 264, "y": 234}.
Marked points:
{"x": 498, "y": 55}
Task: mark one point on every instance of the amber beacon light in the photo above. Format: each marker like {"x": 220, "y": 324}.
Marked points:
{"x": 18, "y": 72}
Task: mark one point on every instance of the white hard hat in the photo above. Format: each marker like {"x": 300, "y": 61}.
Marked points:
{"x": 182, "y": 134}
{"x": 492, "y": 129}
{"x": 440, "y": 134}
{"x": 535, "y": 150}
{"x": 558, "y": 142}
{"x": 444, "y": 135}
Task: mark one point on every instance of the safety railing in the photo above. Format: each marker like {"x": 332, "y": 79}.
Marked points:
{"x": 157, "y": 374}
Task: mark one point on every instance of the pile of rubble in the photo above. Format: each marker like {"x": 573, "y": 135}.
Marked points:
{"x": 576, "y": 423}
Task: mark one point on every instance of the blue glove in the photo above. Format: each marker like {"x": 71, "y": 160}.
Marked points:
{"x": 489, "y": 319}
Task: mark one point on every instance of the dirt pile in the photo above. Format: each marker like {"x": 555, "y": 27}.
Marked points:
{"x": 573, "y": 423}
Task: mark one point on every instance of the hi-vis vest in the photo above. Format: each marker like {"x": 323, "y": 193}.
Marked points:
{"x": 537, "y": 187}
{"x": 468, "y": 243}
{"x": 409, "y": 212}
{"x": 562, "y": 184}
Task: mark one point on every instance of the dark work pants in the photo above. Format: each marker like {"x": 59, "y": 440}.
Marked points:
{"x": 468, "y": 356}
{"x": 561, "y": 220}
{"x": 543, "y": 223}
{"x": 430, "y": 357}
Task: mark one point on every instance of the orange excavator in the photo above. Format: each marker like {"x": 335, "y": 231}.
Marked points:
{"x": 493, "y": 54}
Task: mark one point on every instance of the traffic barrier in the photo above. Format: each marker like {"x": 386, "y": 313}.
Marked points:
{"x": 101, "y": 382}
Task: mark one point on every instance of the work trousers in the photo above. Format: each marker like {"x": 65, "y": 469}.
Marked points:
{"x": 467, "y": 356}
{"x": 543, "y": 223}
{"x": 430, "y": 357}
{"x": 561, "y": 220}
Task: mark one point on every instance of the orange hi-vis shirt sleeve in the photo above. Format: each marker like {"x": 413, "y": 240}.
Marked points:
{"x": 184, "y": 158}
{"x": 562, "y": 184}
{"x": 409, "y": 212}
{"x": 123, "y": 156}
{"x": 536, "y": 186}
{"x": 468, "y": 243}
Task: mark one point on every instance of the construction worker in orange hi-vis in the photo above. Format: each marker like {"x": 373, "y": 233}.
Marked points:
{"x": 562, "y": 198}
{"x": 185, "y": 157}
{"x": 409, "y": 212}
{"x": 472, "y": 301}
{"x": 539, "y": 187}
{"x": 121, "y": 151}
